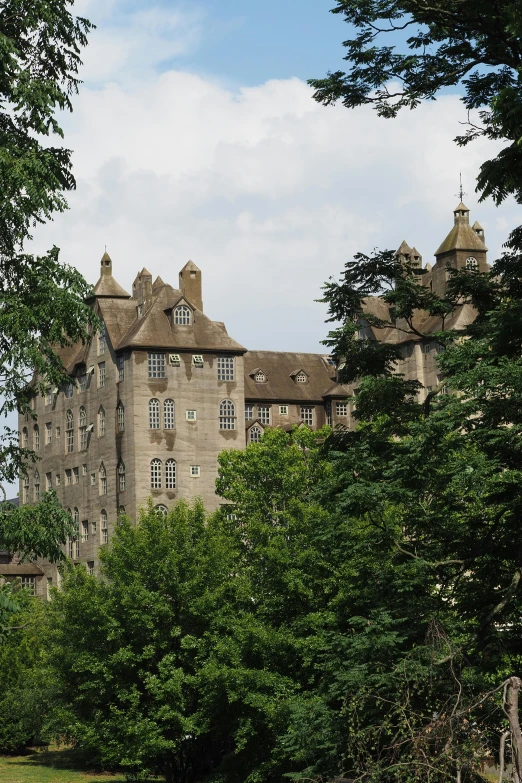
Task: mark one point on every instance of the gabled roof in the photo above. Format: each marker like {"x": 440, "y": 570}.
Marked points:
{"x": 338, "y": 390}
{"x": 404, "y": 249}
{"x": 278, "y": 367}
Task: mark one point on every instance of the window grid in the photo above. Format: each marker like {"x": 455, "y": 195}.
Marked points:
{"x": 48, "y": 397}
{"x": 121, "y": 477}
{"x": 83, "y": 428}
{"x": 182, "y": 315}
{"x": 162, "y": 509}
{"x": 29, "y": 583}
{"x": 68, "y": 390}
{"x": 68, "y": 476}
{"x": 103, "y": 480}
{"x": 36, "y": 437}
{"x": 168, "y": 414}
{"x": 76, "y": 476}
{"x": 101, "y": 422}
{"x": 191, "y": 415}
{"x": 36, "y": 486}
{"x": 263, "y": 414}
{"x": 157, "y": 365}
{"x": 197, "y": 360}
{"x": 48, "y": 481}
{"x": 328, "y": 413}
{"x": 121, "y": 417}
{"x": 82, "y": 380}
{"x": 195, "y": 470}
{"x": 121, "y": 368}
{"x": 85, "y": 531}
{"x": 301, "y": 377}
{"x": 69, "y": 431}
{"x": 101, "y": 375}
{"x": 170, "y": 474}
{"x": 101, "y": 340}
{"x": 283, "y": 410}
{"x": 260, "y": 377}
{"x": 341, "y": 408}
{"x": 104, "y": 527}
{"x": 155, "y": 474}
{"x": 249, "y": 412}
{"x": 227, "y": 415}
{"x": 48, "y": 433}
{"x": 154, "y": 414}
{"x": 225, "y": 368}
{"x": 25, "y": 490}
{"x": 255, "y": 434}
{"x": 307, "y": 415}
{"x": 25, "y": 438}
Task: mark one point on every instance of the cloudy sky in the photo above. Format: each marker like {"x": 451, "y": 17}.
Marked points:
{"x": 195, "y": 136}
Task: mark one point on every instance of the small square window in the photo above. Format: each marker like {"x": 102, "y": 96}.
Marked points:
{"x": 174, "y": 359}
{"x": 283, "y": 410}
{"x": 341, "y": 408}
{"x": 197, "y": 360}
{"x": 195, "y": 470}
{"x": 191, "y": 415}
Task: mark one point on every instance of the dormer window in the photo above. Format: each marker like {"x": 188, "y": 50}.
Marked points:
{"x": 182, "y": 315}
{"x": 260, "y": 377}
{"x": 197, "y": 360}
{"x": 301, "y": 377}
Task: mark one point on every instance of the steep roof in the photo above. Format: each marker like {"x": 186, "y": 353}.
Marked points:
{"x": 109, "y": 287}
{"x": 278, "y": 367}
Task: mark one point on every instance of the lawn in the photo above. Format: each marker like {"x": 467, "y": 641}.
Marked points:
{"x": 51, "y": 766}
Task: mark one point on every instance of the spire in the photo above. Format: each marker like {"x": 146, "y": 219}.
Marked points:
{"x": 462, "y": 236}
{"x": 107, "y": 285}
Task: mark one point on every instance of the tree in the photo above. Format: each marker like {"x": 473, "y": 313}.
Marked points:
{"x": 42, "y": 299}
{"x": 406, "y": 51}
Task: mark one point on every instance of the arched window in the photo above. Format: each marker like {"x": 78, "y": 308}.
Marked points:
{"x": 70, "y": 540}
{"x": 25, "y": 490}
{"x": 260, "y": 377}
{"x": 227, "y": 415}
{"x": 36, "y": 486}
{"x": 154, "y": 414}
{"x": 101, "y": 422}
{"x": 103, "y": 480}
{"x": 120, "y": 415}
{"x": 69, "y": 431}
{"x": 36, "y": 438}
{"x": 168, "y": 414}
{"x": 82, "y": 421}
{"x": 471, "y": 264}
{"x": 182, "y": 315}
{"x": 170, "y": 474}
{"x": 101, "y": 340}
{"x": 76, "y": 517}
{"x": 121, "y": 476}
{"x": 162, "y": 509}
{"x": 155, "y": 474}
{"x": 25, "y": 438}
{"x": 255, "y": 434}
{"x": 301, "y": 377}
{"x": 104, "y": 527}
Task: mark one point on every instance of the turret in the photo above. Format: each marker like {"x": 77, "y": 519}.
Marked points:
{"x": 190, "y": 284}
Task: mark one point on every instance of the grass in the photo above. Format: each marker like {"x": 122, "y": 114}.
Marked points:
{"x": 52, "y": 766}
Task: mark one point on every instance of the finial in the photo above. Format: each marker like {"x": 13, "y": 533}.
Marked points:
{"x": 461, "y": 192}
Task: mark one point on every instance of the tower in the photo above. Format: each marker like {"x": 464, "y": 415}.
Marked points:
{"x": 463, "y": 248}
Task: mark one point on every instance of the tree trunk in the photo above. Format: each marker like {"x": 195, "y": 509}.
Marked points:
{"x": 502, "y": 756}
{"x": 511, "y": 693}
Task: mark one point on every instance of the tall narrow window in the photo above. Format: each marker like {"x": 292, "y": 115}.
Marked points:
{"x": 101, "y": 422}
{"x": 182, "y": 315}
{"x": 82, "y": 381}
{"x": 85, "y": 531}
{"x": 157, "y": 365}
{"x": 254, "y": 434}
{"x": 69, "y": 431}
{"x": 25, "y": 438}
{"x": 121, "y": 368}
{"x": 120, "y": 415}
{"x": 29, "y": 583}
{"x": 307, "y": 415}
{"x": 154, "y": 414}
{"x": 36, "y": 486}
{"x": 82, "y": 422}
{"x": 36, "y": 437}
{"x": 103, "y": 480}
{"x": 48, "y": 397}
{"x": 69, "y": 389}
{"x": 263, "y": 414}
{"x": 225, "y": 368}
{"x": 48, "y": 481}
{"x": 227, "y": 415}
{"x": 48, "y": 433}
{"x": 249, "y": 412}
{"x": 328, "y": 413}
{"x": 168, "y": 414}
{"x": 76, "y": 517}
{"x": 101, "y": 374}
{"x": 25, "y": 490}
{"x": 170, "y": 474}
{"x": 104, "y": 527}
{"x": 121, "y": 477}
{"x": 101, "y": 340}
{"x": 155, "y": 474}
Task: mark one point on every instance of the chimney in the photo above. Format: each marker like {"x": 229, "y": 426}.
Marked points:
{"x": 190, "y": 284}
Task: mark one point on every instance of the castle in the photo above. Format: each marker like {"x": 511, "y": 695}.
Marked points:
{"x": 162, "y": 389}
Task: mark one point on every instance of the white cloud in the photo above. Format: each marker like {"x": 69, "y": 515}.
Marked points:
{"x": 266, "y": 191}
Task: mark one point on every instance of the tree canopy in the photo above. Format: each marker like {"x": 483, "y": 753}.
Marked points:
{"x": 402, "y": 52}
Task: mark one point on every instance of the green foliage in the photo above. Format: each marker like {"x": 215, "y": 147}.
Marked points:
{"x": 405, "y": 51}
{"x": 24, "y": 701}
